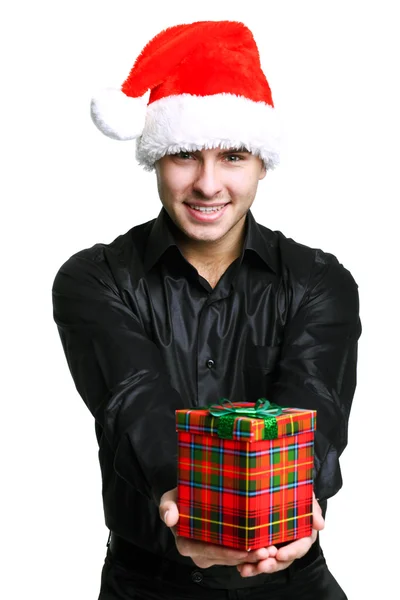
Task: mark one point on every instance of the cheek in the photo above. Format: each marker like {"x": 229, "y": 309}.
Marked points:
{"x": 174, "y": 184}
{"x": 244, "y": 186}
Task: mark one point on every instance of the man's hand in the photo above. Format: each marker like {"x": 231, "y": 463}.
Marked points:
{"x": 205, "y": 555}
{"x": 278, "y": 560}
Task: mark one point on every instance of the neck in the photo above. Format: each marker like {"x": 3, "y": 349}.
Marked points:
{"x": 221, "y": 252}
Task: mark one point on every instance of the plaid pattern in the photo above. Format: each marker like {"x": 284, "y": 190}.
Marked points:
{"x": 292, "y": 420}
{"x": 245, "y": 494}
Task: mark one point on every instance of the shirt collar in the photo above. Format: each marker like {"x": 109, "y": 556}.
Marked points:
{"x": 162, "y": 237}
{"x": 260, "y": 240}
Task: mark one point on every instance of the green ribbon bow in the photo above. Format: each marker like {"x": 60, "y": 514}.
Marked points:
{"x": 227, "y": 413}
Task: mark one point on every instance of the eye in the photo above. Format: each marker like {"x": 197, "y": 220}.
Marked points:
{"x": 183, "y": 155}
{"x": 234, "y": 157}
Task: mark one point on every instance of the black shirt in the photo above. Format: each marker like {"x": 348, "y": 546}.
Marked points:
{"x": 144, "y": 334}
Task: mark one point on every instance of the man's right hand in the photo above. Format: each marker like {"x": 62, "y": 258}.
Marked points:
{"x": 205, "y": 555}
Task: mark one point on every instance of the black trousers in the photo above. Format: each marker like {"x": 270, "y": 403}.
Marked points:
{"x": 139, "y": 581}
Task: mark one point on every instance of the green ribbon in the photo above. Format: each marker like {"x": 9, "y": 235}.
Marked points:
{"x": 262, "y": 409}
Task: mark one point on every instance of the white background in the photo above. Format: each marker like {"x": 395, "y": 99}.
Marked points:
{"x": 333, "y": 69}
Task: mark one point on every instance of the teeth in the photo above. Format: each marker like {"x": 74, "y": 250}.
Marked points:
{"x": 206, "y": 209}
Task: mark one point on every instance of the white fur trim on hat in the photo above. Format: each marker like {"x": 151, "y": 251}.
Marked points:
{"x": 190, "y": 123}
{"x": 117, "y": 115}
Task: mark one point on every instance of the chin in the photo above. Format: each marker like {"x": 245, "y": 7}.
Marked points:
{"x": 206, "y": 236}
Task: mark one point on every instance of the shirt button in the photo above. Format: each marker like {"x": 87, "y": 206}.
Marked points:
{"x": 197, "y": 577}
{"x": 210, "y": 363}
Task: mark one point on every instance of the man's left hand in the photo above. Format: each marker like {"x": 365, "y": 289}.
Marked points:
{"x": 281, "y": 559}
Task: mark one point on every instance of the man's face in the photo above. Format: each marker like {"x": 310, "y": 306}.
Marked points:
{"x": 208, "y": 192}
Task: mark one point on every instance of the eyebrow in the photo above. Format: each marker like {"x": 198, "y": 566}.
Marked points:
{"x": 242, "y": 149}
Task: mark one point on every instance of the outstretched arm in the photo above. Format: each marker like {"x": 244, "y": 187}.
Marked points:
{"x": 119, "y": 373}
{"x": 317, "y": 369}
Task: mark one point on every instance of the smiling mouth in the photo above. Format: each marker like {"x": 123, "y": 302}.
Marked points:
{"x": 207, "y": 209}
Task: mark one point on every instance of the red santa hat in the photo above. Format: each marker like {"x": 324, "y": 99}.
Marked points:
{"x": 207, "y": 90}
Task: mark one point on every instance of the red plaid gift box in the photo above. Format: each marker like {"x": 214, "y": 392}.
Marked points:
{"x": 245, "y": 492}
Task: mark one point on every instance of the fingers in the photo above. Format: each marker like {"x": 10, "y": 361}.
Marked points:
{"x": 300, "y": 547}
{"x": 262, "y": 560}
{"x": 270, "y": 565}
{"x": 257, "y": 555}
{"x": 205, "y": 563}
{"x": 318, "y": 519}
{"x": 272, "y": 551}
{"x": 278, "y": 559}
{"x": 168, "y": 508}
{"x": 205, "y": 555}
{"x": 296, "y": 549}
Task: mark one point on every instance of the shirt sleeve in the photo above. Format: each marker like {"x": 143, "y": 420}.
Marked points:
{"x": 120, "y": 375}
{"x": 317, "y": 369}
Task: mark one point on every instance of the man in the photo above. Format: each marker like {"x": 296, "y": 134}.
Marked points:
{"x": 198, "y": 304}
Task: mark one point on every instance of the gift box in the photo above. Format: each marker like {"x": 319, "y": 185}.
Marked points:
{"x": 245, "y": 473}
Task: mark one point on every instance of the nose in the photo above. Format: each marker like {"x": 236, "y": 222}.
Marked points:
{"x": 207, "y": 183}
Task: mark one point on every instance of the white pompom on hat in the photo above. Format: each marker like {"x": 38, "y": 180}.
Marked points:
{"x": 193, "y": 87}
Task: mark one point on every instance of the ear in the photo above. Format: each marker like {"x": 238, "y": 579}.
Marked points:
{"x": 263, "y": 172}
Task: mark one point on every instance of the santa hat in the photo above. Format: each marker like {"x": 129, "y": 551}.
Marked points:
{"x": 207, "y": 90}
